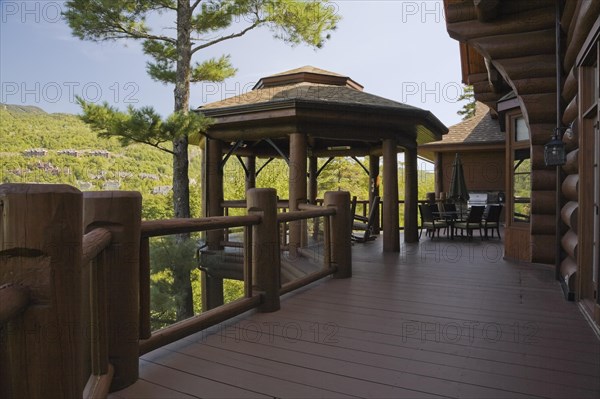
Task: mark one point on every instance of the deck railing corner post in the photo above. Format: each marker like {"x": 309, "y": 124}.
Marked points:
{"x": 341, "y": 232}
{"x": 265, "y": 247}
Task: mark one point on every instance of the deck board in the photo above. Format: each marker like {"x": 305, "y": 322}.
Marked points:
{"x": 439, "y": 319}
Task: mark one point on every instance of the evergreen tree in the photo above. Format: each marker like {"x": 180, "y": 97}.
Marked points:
{"x": 198, "y": 24}
{"x": 468, "y": 110}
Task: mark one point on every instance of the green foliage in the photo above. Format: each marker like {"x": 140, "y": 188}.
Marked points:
{"x": 468, "y": 110}
{"x": 142, "y": 125}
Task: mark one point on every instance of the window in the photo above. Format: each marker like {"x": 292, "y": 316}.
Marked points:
{"x": 520, "y": 183}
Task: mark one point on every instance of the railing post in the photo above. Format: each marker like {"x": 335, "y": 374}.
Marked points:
{"x": 341, "y": 231}
{"x": 120, "y": 212}
{"x": 265, "y": 246}
{"x": 41, "y": 355}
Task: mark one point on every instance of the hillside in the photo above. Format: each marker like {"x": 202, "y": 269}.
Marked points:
{"x": 36, "y": 147}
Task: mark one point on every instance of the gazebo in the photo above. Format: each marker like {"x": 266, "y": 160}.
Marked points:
{"x": 307, "y": 113}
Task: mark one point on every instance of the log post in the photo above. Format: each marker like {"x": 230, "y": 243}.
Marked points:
{"x": 313, "y": 169}
{"x": 212, "y": 287}
{"x": 374, "y": 189}
{"x": 297, "y": 187}
{"x": 340, "y": 232}
{"x": 411, "y": 196}
{"x": 265, "y": 247}
{"x": 42, "y": 350}
{"x": 250, "y": 172}
{"x": 121, "y": 213}
{"x": 391, "y": 218}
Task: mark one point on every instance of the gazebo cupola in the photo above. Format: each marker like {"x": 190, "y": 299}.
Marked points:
{"x": 307, "y": 113}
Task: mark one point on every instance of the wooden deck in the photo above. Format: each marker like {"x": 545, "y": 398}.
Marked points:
{"x": 440, "y": 319}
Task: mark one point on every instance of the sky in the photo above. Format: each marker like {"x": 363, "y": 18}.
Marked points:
{"x": 396, "y": 49}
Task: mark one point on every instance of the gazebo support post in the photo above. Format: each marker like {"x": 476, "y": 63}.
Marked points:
{"x": 439, "y": 175}
{"x": 297, "y": 186}
{"x": 411, "y": 196}
{"x": 251, "y": 172}
{"x": 374, "y": 188}
{"x": 212, "y": 287}
{"x": 313, "y": 170}
{"x": 391, "y": 233}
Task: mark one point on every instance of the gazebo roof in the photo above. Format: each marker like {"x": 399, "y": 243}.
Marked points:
{"x": 325, "y": 105}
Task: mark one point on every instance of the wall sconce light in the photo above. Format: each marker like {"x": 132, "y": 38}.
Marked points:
{"x": 554, "y": 151}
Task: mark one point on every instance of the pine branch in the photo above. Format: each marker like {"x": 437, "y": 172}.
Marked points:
{"x": 256, "y": 24}
{"x": 196, "y": 3}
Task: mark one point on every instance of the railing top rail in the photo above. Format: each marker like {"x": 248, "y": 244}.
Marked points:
{"x": 95, "y": 242}
{"x": 308, "y": 214}
{"x": 242, "y": 204}
{"x": 153, "y": 228}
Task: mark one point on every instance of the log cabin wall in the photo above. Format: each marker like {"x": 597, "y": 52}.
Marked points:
{"x": 516, "y": 40}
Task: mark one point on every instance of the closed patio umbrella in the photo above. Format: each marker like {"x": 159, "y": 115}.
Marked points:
{"x": 458, "y": 186}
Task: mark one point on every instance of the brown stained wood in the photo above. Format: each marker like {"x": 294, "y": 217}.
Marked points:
{"x": 153, "y": 228}
{"x": 569, "y": 243}
{"x": 537, "y": 158}
{"x": 95, "y": 242}
{"x": 532, "y": 20}
{"x": 541, "y": 133}
{"x": 391, "y": 222}
{"x": 570, "y": 187}
{"x": 197, "y": 323}
{"x": 121, "y": 213}
{"x": 518, "y": 44}
{"x": 42, "y": 350}
{"x": 538, "y": 65}
{"x": 571, "y": 137}
{"x": 533, "y": 85}
{"x": 568, "y": 12}
{"x": 340, "y": 233}
{"x": 543, "y": 224}
{"x": 378, "y": 344}
{"x": 569, "y": 214}
{"x": 543, "y": 179}
{"x": 476, "y": 78}
{"x": 297, "y": 185}
{"x": 213, "y": 194}
{"x": 540, "y": 107}
{"x": 266, "y": 257}
{"x": 460, "y": 12}
{"x": 570, "y": 113}
{"x": 303, "y": 215}
{"x": 487, "y": 10}
{"x": 14, "y": 300}
{"x": 540, "y": 243}
{"x": 145, "y": 325}
{"x": 568, "y": 270}
{"x": 571, "y": 167}
{"x": 543, "y": 202}
{"x": 98, "y": 386}
{"x": 306, "y": 280}
{"x": 587, "y": 14}
{"x": 411, "y": 193}
{"x": 570, "y": 87}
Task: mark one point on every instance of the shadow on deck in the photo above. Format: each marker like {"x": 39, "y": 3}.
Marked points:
{"x": 439, "y": 319}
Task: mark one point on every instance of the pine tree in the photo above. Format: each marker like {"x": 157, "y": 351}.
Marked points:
{"x": 198, "y": 24}
{"x": 468, "y": 110}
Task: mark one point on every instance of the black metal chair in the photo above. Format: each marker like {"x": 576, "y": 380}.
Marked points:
{"x": 492, "y": 220}
{"x": 473, "y": 222}
{"x": 428, "y": 222}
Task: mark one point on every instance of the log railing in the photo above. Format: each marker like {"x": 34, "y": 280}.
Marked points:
{"x": 75, "y": 278}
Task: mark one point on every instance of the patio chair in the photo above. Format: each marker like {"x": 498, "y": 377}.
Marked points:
{"x": 473, "y": 222}
{"x": 429, "y": 223}
{"x": 365, "y": 224}
{"x": 492, "y": 220}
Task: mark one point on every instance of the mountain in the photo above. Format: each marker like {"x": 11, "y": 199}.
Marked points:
{"x": 37, "y": 147}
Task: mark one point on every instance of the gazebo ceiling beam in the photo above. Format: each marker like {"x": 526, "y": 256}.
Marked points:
{"x": 361, "y": 165}
{"x": 325, "y": 165}
{"x": 237, "y": 144}
{"x": 279, "y": 150}
{"x": 264, "y": 165}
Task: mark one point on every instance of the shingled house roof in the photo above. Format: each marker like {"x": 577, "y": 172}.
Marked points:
{"x": 477, "y": 130}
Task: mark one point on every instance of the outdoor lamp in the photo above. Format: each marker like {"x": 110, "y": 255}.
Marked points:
{"x": 554, "y": 151}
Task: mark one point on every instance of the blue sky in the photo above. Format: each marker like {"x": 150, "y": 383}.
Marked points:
{"x": 396, "y": 49}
